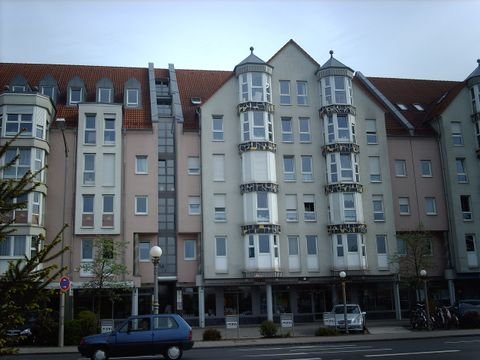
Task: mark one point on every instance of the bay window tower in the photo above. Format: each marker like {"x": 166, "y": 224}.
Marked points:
{"x": 346, "y": 226}
{"x": 259, "y": 188}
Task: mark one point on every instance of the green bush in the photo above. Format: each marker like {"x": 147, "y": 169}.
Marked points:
{"x": 88, "y": 323}
{"x": 326, "y": 331}
{"x": 212, "y": 335}
{"x": 72, "y": 333}
{"x": 471, "y": 320}
{"x": 45, "y": 330}
{"x": 268, "y": 329}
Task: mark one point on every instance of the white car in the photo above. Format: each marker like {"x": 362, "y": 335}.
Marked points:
{"x": 336, "y": 318}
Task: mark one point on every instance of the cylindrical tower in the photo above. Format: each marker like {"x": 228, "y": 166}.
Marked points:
{"x": 259, "y": 188}
{"x": 346, "y": 224}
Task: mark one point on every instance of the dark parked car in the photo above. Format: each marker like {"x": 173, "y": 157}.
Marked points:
{"x": 165, "y": 334}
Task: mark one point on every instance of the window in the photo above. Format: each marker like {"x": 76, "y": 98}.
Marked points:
{"x": 39, "y": 130}
{"x": 220, "y": 246}
{"x": 309, "y": 208}
{"x": 419, "y": 107}
{"x": 400, "y": 168}
{"x": 76, "y": 94}
{"x": 104, "y": 95}
{"x": 430, "y": 206}
{"x": 263, "y": 213}
{"x": 307, "y": 168}
{"x": 289, "y": 168}
{"x": 109, "y": 131}
{"x": 18, "y": 122}
{"x": 340, "y": 249}
{"x": 194, "y": 205}
{"x": 193, "y": 165}
{"x": 371, "y": 129}
{"x": 263, "y": 244}
{"x": 19, "y": 167}
{"x": 257, "y": 86}
{"x": 287, "y": 132}
{"x": 38, "y": 163}
{"x": 292, "y": 245}
{"x": 311, "y": 245}
{"x": 346, "y": 170}
{"x": 88, "y": 169}
{"x": 219, "y": 203}
{"x": 144, "y": 251}
{"x": 107, "y": 216}
{"x": 461, "y": 170}
{"x": 87, "y": 250}
{"x": 14, "y": 246}
{"x": 251, "y": 246}
{"x": 340, "y": 90}
{"x": 374, "y": 165}
{"x": 36, "y": 207}
{"x": 218, "y": 167}
{"x": 285, "y": 92}
{"x": 381, "y": 241}
{"x": 189, "y": 249}
{"x": 291, "y": 207}
{"x": 49, "y": 90}
{"x": 259, "y": 129}
{"x": 402, "y": 107}
{"x": 90, "y": 136}
{"x": 401, "y": 247}
{"x": 352, "y": 243}
{"x": 404, "y": 205}
{"x": 475, "y": 94}
{"x": 87, "y": 210}
{"x": 302, "y": 97}
{"x": 378, "y": 210}
{"x": 470, "y": 242}
{"x": 466, "y": 207}
{"x": 349, "y": 211}
{"x": 426, "y": 168}
{"x": 141, "y": 164}
{"x": 304, "y": 130}
{"x": 457, "y": 137}
{"x": 343, "y": 131}
{"x": 141, "y": 205}
{"x": 477, "y": 133}
{"x": 132, "y": 97}
{"x": 217, "y": 128}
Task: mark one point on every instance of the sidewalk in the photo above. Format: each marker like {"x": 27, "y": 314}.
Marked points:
{"x": 301, "y": 334}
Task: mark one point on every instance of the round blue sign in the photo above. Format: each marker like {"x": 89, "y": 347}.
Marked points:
{"x": 65, "y": 283}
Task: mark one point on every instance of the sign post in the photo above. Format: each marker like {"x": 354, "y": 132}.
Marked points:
{"x": 65, "y": 283}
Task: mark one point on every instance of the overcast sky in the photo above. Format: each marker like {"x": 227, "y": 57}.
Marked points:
{"x": 427, "y": 39}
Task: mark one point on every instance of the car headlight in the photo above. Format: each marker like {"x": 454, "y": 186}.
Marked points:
{"x": 26, "y": 332}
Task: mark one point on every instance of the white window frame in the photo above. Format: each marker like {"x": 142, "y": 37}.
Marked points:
{"x": 457, "y": 134}
{"x": 189, "y": 245}
{"x": 289, "y": 175}
{"x": 89, "y": 175}
{"x": 141, "y": 164}
{"x": 17, "y": 122}
{"x": 141, "y": 200}
{"x": 400, "y": 168}
{"x": 302, "y": 93}
{"x": 193, "y": 165}
{"x": 217, "y": 248}
{"x": 308, "y": 244}
{"x": 404, "y": 203}
{"x": 89, "y": 130}
{"x": 430, "y": 205}
{"x": 378, "y": 213}
{"x": 218, "y": 131}
{"x": 287, "y": 134}
{"x": 374, "y": 167}
{"x": 349, "y": 212}
{"x": 371, "y": 131}
{"x": 144, "y": 247}
{"x": 307, "y": 168}
{"x": 15, "y": 246}
{"x": 473, "y": 246}
{"x": 309, "y": 215}
{"x": 426, "y": 168}
{"x": 262, "y": 206}
{"x": 74, "y": 90}
{"x": 460, "y": 165}
{"x": 133, "y": 95}
{"x": 293, "y": 246}
{"x": 220, "y": 211}
{"x": 466, "y": 210}
{"x": 291, "y": 208}
{"x": 304, "y": 132}
{"x": 102, "y": 92}
{"x": 284, "y": 93}
{"x": 109, "y": 134}
{"x": 194, "y": 205}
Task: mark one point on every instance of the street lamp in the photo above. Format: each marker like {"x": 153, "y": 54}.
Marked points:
{"x": 155, "y": 253}
{"x": 423, "y": 275}
{"x": 343, "y": 275}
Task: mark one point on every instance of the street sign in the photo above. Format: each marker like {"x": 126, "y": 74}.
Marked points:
{"x": 65, "y": 283}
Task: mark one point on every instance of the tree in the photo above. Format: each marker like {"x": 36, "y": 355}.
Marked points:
{"x": 23, "y": 286}
{"x": 107, "y": 271}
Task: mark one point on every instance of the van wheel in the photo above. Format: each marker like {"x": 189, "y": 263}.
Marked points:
{"x": 99, "y": 353}
{"x": 173, "y": 352}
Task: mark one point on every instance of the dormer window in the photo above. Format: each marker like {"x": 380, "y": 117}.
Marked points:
{"x": 76, "y": 91}
{"x": 18, "y": 88}
{"x": 132, "y": 97}
{"x": 48, "y": 87}
{"x": 19, "y": 84}
{"x": 418, "y": 107}
{"x": 402, "y": 106}
{"x": 104, "y": 95}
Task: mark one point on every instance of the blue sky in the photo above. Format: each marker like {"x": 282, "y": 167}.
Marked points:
{"x": 428, "y": 39}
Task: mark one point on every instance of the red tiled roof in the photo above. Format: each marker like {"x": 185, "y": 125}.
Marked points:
{"x": 198, "y": 83}
{"x": 90, "y": 75}
{"x": 433, "y": 95}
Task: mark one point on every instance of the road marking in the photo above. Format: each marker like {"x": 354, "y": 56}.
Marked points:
{"x": 327, "y": 351}
{"x": 461, "y": 341}
{"x": 413, "y": 353}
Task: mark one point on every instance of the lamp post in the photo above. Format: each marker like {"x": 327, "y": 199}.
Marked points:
{"x": 423, "y": 275}
{"x": 343, "y": 275}
{"x": 61, "y": 321}
{"x": 155, "y": 253}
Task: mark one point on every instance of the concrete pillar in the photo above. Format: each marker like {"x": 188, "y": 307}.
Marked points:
{"x": 135, "y": 301}
{"x": 269, "y": 302}
{"x": 201, "y": 307}
{"x": 396, "y": 299}
{"x": 451, "y": 291}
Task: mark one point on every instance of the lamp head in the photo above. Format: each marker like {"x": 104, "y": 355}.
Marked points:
{"x": 342, "y": 274}
{"x": 155, "y": 252}
{"x": 423, "y": 273}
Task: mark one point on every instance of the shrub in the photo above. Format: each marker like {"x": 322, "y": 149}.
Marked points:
{"x": 72, "y": 332}
{"x": 326, "y": 331}
{"x": 268, "y": 329}
{"x": 471, "y": 320}
{"x": 212, "y": 335}
{"x": 88, "y": 323}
